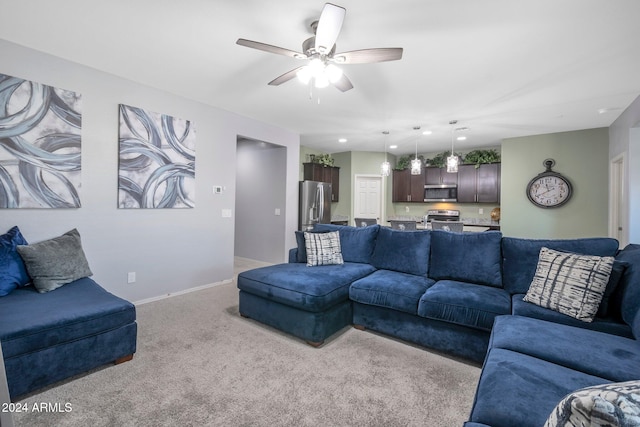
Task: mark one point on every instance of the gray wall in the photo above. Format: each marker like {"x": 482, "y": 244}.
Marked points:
{"x": 624, "y": 137}
{"x": 260, "y": 178}
{"x": 171, "y": 250}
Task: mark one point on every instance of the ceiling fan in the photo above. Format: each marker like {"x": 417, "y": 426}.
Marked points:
{"x": 320, "y": 51}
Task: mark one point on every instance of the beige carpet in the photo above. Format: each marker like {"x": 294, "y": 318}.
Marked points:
{"x": 200, "y": 364}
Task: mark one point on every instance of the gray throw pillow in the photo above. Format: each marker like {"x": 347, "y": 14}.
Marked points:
{"x": 569, "y": 283}
{"x": 55, "y": 262}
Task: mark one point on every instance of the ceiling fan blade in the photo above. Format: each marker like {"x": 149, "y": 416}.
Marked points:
{"x": 269, "y": 48}
{"x": 285, "y": 77}
{"x": 367, "y": 56}
{"x": 344, "y": 84}
{"x": 329, "y": 27}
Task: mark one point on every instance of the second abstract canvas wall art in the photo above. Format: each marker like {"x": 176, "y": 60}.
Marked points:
{"x": 156, "y": 160}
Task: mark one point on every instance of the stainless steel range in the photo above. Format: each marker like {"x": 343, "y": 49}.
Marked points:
{"x": 442, "y": 215}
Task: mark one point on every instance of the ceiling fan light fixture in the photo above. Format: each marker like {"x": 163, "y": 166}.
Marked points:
{"x": 333, "y": 73}
{"x": 321, "y": 73}
{"x": 320, "y": 50}
{"x": 321, "y": 81}
{"x": 316, "y": 66}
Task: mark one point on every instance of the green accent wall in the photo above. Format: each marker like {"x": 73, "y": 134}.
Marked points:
{"x": 354, "y": 163}
{"x": 583, "y": 157}
{"x": 343, "y": 206}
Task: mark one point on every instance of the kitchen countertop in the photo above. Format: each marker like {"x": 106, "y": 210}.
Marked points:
{"x": 470, "y": 224}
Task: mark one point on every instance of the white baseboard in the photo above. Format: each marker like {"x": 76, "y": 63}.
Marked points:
{"x": 185, "y": 291}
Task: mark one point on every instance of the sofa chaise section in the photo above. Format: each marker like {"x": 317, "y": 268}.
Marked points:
{"x": 311, "y": 303}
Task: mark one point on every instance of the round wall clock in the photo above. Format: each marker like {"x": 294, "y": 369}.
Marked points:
{"x": 549, "y": 189}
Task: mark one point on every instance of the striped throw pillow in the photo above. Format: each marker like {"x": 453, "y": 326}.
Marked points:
{"x": 323, "y": 248}
{"x": 569, "y": 283}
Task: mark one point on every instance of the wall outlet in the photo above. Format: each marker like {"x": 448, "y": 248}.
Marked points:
{"x": 217, "y": 189}
{"x": 227, "y": 213}
{"x": 131, "y": 277}
{"x": 481, "y": 211}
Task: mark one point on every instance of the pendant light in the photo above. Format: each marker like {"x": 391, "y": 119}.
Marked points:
{"x": 452, "y": 160}
{"x": 416, "y": 163}
{"x": 385, "y": 167}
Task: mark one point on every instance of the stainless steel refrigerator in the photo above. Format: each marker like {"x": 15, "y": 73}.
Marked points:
{"x": 315, "y": 204}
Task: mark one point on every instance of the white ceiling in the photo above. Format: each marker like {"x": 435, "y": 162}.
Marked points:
{"x": 502, "y": 68}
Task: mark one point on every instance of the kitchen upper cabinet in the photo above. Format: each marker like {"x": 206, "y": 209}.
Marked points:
{"x": 479, "y": 185}
{"x": 467, "y": 181}
{"x": 489, "y": 183}
{"x": 330, "y": 174}
{"x": 407, "y": 187}
{"x": 436, "y": 176}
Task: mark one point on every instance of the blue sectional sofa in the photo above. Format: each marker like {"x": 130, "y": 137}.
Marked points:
{"x": 51, "y": 336}
{"x": 461, "y": 294}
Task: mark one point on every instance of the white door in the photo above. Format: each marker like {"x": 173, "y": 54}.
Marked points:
{"x": 367, "y": 202}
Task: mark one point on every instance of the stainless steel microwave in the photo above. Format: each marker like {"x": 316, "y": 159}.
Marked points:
{"x": 441, "y": 193}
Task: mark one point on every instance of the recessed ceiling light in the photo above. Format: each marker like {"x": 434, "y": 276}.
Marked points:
{"x": 342, "y": 140}
{"x": 461, "y": 138}
{"x": 608, "y": 110}
{"x": 427, "y": 132}
{"x": 393, "y": 147}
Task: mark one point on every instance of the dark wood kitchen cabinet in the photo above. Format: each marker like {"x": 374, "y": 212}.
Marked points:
{"x": 407, "y": 187}
{"x": 479, "y": 185}
{"x": 330, "y": 174}
{"x": 437, "y": 176}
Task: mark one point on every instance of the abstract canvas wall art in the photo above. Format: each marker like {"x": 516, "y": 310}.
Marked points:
{"x": 157, "y": 160}
{"x": 40, "y": 145}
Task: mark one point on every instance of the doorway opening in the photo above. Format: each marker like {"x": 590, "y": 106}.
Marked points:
{"x": 260, "y": 200}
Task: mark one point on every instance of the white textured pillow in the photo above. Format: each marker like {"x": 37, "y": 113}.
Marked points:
{"x": 569, "y": 283}
{"x": 323, "y": 248}
{"x": 611, "y": 405}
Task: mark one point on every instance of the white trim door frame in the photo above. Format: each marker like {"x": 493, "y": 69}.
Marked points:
{"x": 618, "y": 203}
